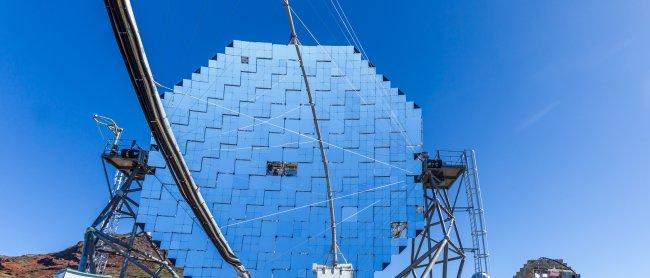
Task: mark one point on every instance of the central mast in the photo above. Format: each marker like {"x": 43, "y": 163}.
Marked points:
{"x": 330, "y": 202}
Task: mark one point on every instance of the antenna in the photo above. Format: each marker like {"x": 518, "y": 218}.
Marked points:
{"x": 112, "y": 126}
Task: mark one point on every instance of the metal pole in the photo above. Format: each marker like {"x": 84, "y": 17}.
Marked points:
{"x": 88, "y": 241}
{"x": 330, "y": 201}
{"x": 443, "y": 244}
{"x": 125, "y": 263}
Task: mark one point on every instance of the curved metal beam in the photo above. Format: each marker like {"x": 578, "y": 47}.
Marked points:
{"x": 128, "y": 39}
{"x": 330, "y": 200}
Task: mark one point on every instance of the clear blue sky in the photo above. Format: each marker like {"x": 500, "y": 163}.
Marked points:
{"x": 554, "y": 95}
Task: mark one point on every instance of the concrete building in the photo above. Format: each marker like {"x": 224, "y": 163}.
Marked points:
{"x": 546, "y": 268}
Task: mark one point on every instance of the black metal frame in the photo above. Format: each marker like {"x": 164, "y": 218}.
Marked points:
{"x": 438, "y": 213}
{"x": 97, "y": 239}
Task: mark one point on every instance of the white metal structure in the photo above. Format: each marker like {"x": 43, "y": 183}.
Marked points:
{"x": 338, "y": 271}
{"x": 476, "y": 216}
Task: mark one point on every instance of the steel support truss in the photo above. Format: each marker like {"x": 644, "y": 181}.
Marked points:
{"x": 100, "y": 240}
{"x": 438, "y": 247}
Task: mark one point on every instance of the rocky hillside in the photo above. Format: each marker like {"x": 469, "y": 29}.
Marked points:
{"x": 45, "y": 265}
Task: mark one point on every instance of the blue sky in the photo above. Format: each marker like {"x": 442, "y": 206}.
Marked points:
{"x": 554, "y": 95}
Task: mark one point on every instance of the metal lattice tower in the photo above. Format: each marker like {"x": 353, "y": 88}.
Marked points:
{"x": 439, "y": 243}
{"x": 101, "y": 238}
{"x": 439, "y": 174}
